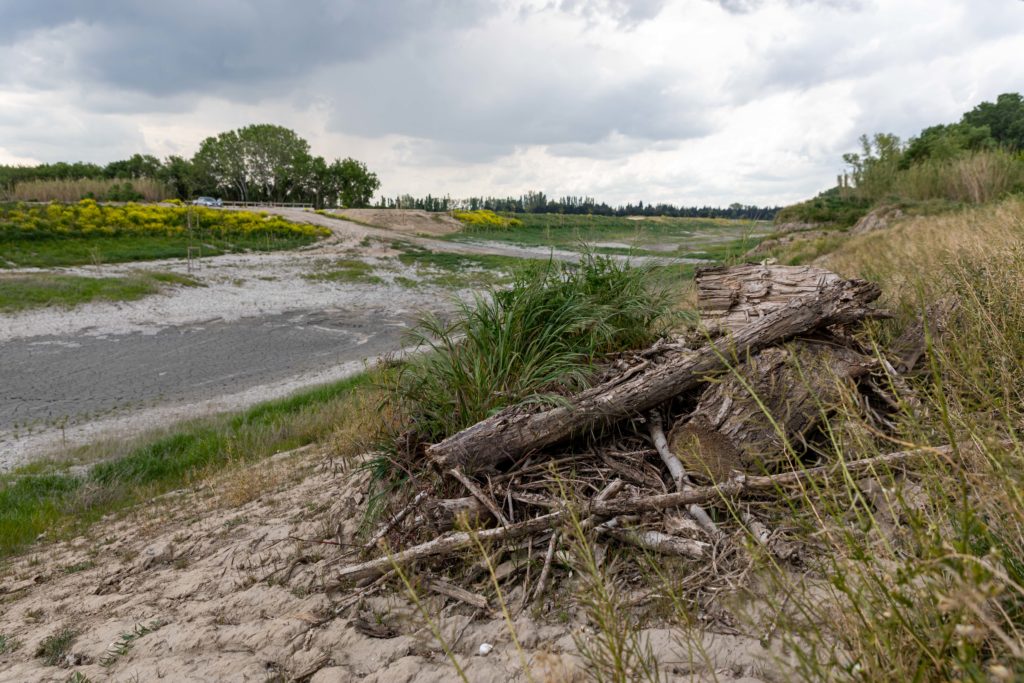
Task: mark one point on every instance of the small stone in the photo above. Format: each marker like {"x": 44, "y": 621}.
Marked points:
{"x": 485, "y": 649}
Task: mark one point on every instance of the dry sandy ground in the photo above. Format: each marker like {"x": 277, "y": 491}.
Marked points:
{"x": 407, "y": 221}
{"x": 217, "y": 587}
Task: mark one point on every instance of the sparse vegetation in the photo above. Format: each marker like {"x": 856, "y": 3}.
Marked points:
{"x": 8, "y": 644}
{"x": 56, "y": 647}
{"x": 124, "y": 642}
{"x": 34, "y": 290}
{"x": 345, "y": 270}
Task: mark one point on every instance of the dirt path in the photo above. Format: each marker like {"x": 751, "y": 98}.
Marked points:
{"x": 211, "y": 584}
{"x": 353, "y": 231}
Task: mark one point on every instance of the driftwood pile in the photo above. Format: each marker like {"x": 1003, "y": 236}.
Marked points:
{"x": 666, "y": 453}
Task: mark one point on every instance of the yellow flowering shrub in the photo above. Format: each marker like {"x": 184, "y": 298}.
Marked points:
{"x": 485, "y": 218}
{"x": 87, "y": 218}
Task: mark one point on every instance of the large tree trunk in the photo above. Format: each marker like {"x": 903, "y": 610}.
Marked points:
{"x": 745, "y": 422}
{"x": 519, "y": 430}
{"x": 729, "y": 298}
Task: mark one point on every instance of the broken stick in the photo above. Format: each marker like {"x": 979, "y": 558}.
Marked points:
{"x": 453, "y": 541}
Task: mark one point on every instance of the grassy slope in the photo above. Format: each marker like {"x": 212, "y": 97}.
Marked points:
{"x": 942, "y": 597}
{"x": 36, "y": 290}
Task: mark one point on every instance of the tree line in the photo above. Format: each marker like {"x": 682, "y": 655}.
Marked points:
{"x": 538, "y": 202}
{"x": 256, "y": 163}
{"x": 976, "y": 159}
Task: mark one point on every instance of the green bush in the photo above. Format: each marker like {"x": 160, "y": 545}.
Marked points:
{"x": 831, "y": 207}
{"x": 534, "y": 340}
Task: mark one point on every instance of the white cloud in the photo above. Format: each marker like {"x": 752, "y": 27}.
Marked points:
{"x": 691, "y": 101}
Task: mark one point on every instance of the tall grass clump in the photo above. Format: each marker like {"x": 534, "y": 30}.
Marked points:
{"x": 144, "y": 189}
{"x": 973, "y": 178}
{"x": 918, "y": 575}
{"x": 538, "y": 338}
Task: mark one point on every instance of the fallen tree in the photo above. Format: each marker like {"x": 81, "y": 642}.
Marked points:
{"x": 517, "y": 431}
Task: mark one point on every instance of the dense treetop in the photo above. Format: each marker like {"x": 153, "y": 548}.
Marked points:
{"x": 261, "y": 162}
{"x": 976, "y": 159}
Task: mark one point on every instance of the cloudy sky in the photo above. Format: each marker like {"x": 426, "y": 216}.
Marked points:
{"x": 685, "y": 101}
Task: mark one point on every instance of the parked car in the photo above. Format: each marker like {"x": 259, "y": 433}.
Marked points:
{"x": 207, "y": 201}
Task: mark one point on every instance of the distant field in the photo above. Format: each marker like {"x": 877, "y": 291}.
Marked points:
{"x": 86, "y": 232}
{"x": 683, "y": 237}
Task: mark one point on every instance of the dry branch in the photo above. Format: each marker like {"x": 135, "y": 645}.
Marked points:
{"x": 516, "y": 431}
{"x": 542, "y": 583}
{"x": 479, "y": 495}
{"x": 444, "y": 588}
{"x": 454, "y": 541}
{"x": 395, "y": 521}
{"x": 659, "y": 542}
{"x": 679, "y": 476}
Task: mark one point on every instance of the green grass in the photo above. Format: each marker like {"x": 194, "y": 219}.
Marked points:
{"x": 48, "y": 497}
{"x": 541, "y": 336}
{"x": 8, "y": 644}
{"x": 345, "y": 270}
{"x": 36, "y": 290}
{"x": 55, "y": 647}
{"x": 61, "y": 252}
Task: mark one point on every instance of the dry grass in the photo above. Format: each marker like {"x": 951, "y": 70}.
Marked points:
{"x": 924, "y": 580}
{"x": 918, "y": 252}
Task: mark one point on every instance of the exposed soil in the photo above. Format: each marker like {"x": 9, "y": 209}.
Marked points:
{"x": 220, "y": 588}
{"x": 408, "y": 221}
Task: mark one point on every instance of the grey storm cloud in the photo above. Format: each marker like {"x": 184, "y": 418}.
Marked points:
{"x": 398, "y": 65}
{"x": 196, "y": 46}
{"x": 605, "y": 96}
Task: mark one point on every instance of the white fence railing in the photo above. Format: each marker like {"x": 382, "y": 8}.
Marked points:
{"x": 281, "y": 205}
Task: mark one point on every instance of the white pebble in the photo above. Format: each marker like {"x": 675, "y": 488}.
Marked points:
{"x": 485, "y": 649}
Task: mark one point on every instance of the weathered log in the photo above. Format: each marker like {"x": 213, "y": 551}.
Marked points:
{"x": 729, "y": 298}
{"x": 515, "y": 431}
{"x": 746, "y": 421}
{"x": 454, "y": 541}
